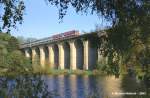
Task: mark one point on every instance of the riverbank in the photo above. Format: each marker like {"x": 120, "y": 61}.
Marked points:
{"x": 76, "y": 72}
{"x": 51, "y": 72}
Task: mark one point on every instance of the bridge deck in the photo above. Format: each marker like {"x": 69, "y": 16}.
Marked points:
{"x": 49, "y": 40}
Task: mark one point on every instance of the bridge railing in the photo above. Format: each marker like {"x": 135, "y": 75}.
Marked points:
{"x": 43, "y": 41}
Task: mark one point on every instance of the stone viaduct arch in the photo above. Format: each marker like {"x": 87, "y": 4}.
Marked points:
{"x": 66, "y": 48}
{"x": 93, "y": 55}
{"x": 74, "y": 53}
{"x": 46, "y": 52}
{"x": 79, "y": 54}
{"x": 37, "y": 55}
{"x": 56, "y": 56}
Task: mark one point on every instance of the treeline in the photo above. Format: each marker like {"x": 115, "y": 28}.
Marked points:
{"x": 21, "y": 39}
{"x": 11, "y": 58}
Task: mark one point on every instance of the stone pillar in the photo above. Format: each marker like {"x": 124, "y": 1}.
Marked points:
{"x": 27, "y": 53}
{"x": 42, "y": 57}
{"x": 51, "y": 56}
{"x": 33, "y": 55}
{"x": 86, "y": 55}
{"x": 61, "y": 56}
{"x": 72, "y": 55}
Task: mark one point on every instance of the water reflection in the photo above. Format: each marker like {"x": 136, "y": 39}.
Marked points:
{"x": 68, "y": 86}
{"x": 73, "y": 86}
{"x": 23, "y": 86}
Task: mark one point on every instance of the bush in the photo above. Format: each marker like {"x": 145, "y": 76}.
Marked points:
{"x": 11, "y": 58}
{"x": 17, "y": 62}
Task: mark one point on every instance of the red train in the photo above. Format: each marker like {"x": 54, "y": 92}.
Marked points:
{"x": 68, "y": 34}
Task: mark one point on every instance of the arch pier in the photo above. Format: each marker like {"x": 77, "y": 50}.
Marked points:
{"x": 74, "y": 53}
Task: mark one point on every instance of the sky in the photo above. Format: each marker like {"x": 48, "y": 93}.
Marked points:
{"x": 42, "y": 20}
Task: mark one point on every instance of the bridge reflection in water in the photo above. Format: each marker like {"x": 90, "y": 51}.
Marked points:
{"x": 73, "y": 86}
{"x": 76, "y": 86}
{"x": 68, "y": 86}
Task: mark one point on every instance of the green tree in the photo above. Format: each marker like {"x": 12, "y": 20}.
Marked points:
{"x": 17, "y": 62}
{"x": 13, "y": 44}
{"x": 4, "y": 37}
{"x": 11, "y": 57}
{"x": 11, "y": 13}
{"x": 21, "y": 39}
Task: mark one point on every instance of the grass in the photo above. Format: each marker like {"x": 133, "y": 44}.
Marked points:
{"x": 52, "y": 72}
{"x": 48, "y": 71}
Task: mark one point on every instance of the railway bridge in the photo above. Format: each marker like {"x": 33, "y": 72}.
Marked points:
{"x": 68, "y": 50}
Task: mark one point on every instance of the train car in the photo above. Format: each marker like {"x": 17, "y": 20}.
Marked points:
{"x": 64, "y": 35}
{"x": 71, "y": 33}
{"x": 55, "y": 37}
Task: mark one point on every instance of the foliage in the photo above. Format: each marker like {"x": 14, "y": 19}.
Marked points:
{"x": 115, "y": 10}
{"x": 4, "y": 37}
{"x": 21, "y": 39}
{"x": 13, "y": 44}
{"x": 11, "y": 13}
{"x": 17, "y": 62}
{"x": 36, "y": 64}
{"x": 126, "y": 52}
{"x": 10, "y": 56}
{"x": 24, "y": 86}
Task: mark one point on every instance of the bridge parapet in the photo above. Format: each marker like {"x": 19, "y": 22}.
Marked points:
{"x": 54, "y": 38}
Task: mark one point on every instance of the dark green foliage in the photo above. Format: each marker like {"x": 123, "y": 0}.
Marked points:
{"x": 4, "y": 37}
{"x": 115, "y": 10}
{"x": 11, "y": 13}
{"x": 13, "y": 44}
{"x": 17, "y": 62}
{"x": 24, "y": 86}
{"x": 126, "y": 50}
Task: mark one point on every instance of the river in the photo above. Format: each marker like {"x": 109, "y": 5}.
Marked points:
{"x": 71, "y": 86}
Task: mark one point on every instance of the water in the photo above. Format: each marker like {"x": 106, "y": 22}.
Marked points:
{"x": 71, "y": 86}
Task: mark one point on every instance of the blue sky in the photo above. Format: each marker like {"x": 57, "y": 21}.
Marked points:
{"x": 41, "y": 20}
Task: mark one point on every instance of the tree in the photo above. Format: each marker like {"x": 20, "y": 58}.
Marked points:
{"x": 21, "y": 39}
{"x": 11, "y": 13}
{"x": 18, "y": 62}
{"x": 28, "y": 40}
{"x": 13, "y": 44}
{"x": 11, "y": 57}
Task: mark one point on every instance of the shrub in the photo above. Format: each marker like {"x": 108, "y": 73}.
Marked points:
{"x": 17, "y": 62}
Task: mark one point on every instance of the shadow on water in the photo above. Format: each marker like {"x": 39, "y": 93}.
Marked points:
{"x": 134, "y": 88}
{"x": 69, "y": 86}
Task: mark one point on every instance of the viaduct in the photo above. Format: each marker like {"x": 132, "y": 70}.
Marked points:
{"x": 74, "y": 52}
